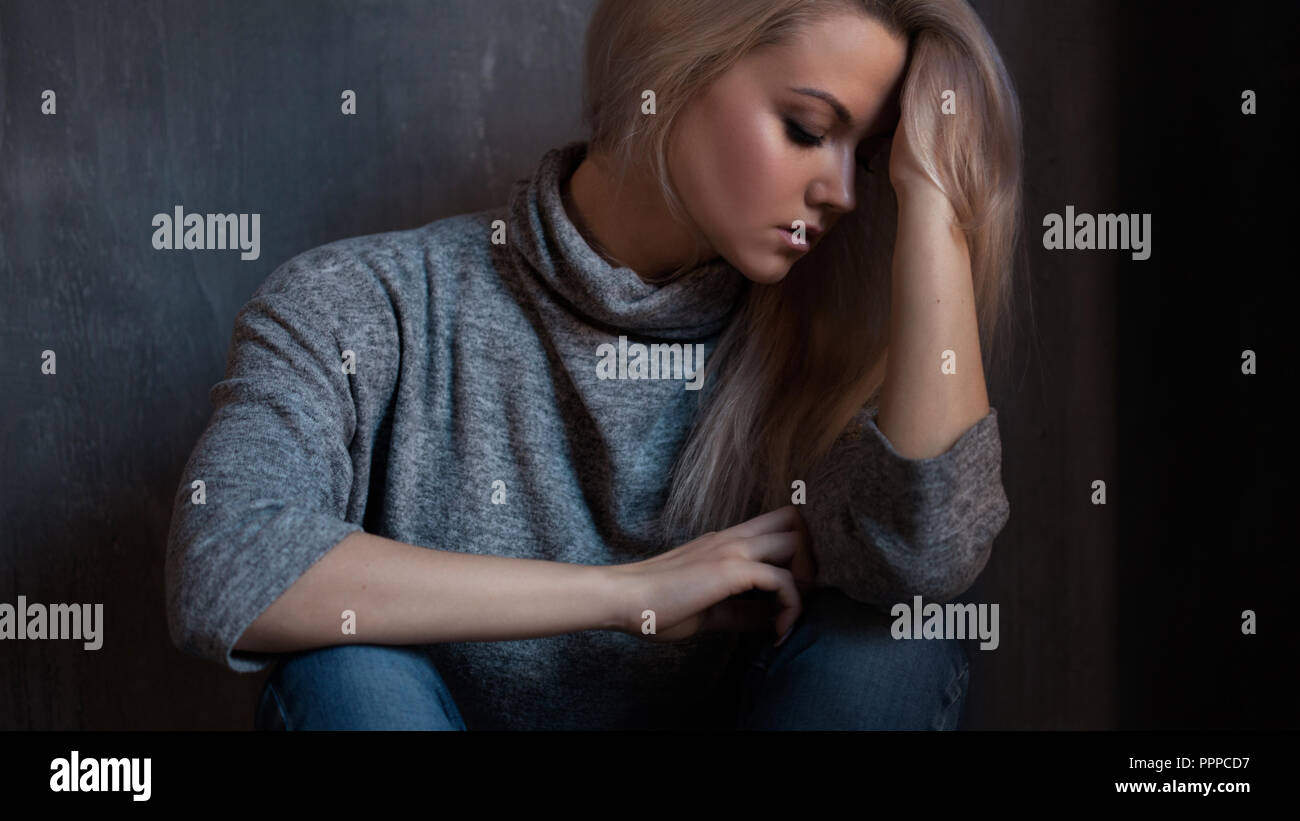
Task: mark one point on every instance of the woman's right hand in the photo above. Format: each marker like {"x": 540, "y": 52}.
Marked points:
{"x": 691, "y": 587}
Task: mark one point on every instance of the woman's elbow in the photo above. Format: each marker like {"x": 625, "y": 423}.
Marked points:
{"x": 944, "y": 570}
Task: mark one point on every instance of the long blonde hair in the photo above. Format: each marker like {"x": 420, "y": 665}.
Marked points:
{"x": 803, "y": 356}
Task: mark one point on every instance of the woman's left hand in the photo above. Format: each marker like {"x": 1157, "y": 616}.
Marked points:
{"x": 906, "y": 170}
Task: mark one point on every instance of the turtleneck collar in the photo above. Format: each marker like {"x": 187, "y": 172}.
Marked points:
{"x": 547, "y": 243}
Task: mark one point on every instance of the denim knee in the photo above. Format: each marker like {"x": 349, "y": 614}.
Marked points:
{"x": 357, "y": 687}
{"x": 841, "y": 668}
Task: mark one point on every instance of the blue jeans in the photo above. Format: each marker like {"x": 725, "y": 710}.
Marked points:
{"x": 840, "y": 669}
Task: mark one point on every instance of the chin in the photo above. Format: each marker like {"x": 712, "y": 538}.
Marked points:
{"x": 767, "y": 271}
{"x": 758, "y": 258}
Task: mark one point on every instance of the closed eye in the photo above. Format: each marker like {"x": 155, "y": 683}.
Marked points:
{"x": 800, "y": 136}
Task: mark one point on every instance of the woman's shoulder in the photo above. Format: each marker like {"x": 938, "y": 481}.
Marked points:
{"x": 387, "y": 266}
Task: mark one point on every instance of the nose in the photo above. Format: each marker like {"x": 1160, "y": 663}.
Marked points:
{"x": 833, "y": 187}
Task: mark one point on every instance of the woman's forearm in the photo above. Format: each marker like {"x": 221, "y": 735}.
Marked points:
{"x": 405, "y": 594}
{"x": 923, "y": 409}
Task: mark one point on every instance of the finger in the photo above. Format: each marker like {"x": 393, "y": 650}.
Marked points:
{"x": 804, "y": 563}
{"x": 779, "y": 581}
{"x": 804, "y": 567}
{"x": 774, "y": 521}
{"x": 773, "y": 548}
{"x": 740, "y": 614}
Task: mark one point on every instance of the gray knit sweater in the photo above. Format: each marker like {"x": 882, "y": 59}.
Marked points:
{"x": 473, "y": 364}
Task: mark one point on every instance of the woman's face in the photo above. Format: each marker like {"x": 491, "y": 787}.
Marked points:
{"x": 757, "y": 151}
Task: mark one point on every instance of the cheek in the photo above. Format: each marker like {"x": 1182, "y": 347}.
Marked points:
{"x": 736, "y": 160}
{"x": 750, "y": 159}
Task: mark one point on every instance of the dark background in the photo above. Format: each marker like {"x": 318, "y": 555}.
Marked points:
{"x": 1118, "y": 616}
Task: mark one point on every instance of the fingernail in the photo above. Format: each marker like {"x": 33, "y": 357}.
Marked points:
{"x": 784, "y": 636}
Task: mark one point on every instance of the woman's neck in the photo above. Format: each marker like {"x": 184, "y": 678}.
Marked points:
{"x": 630, "y": 227}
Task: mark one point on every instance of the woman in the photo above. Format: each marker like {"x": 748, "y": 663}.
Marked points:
{"x": 572, "y": 535}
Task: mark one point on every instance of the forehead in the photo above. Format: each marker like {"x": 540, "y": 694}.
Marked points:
{"x": 849, "y": 55}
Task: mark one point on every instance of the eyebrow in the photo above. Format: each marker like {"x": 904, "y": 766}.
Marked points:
{"x": 841, "y": 112}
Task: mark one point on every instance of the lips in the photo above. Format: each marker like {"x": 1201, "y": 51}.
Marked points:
{"x": 812, "y": 232}
{"x": 788, "y": 235}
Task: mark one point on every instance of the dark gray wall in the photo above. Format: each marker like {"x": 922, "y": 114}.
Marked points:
{"x": 1052, "y": 568}
{"x": 234, "y": 107}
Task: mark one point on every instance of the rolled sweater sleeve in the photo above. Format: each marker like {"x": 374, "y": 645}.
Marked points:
{"x": 885, "y": 528}
{"x": 275, "y": 459}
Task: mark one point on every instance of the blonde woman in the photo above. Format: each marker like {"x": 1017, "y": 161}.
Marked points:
{"x": 661, "y": 442}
